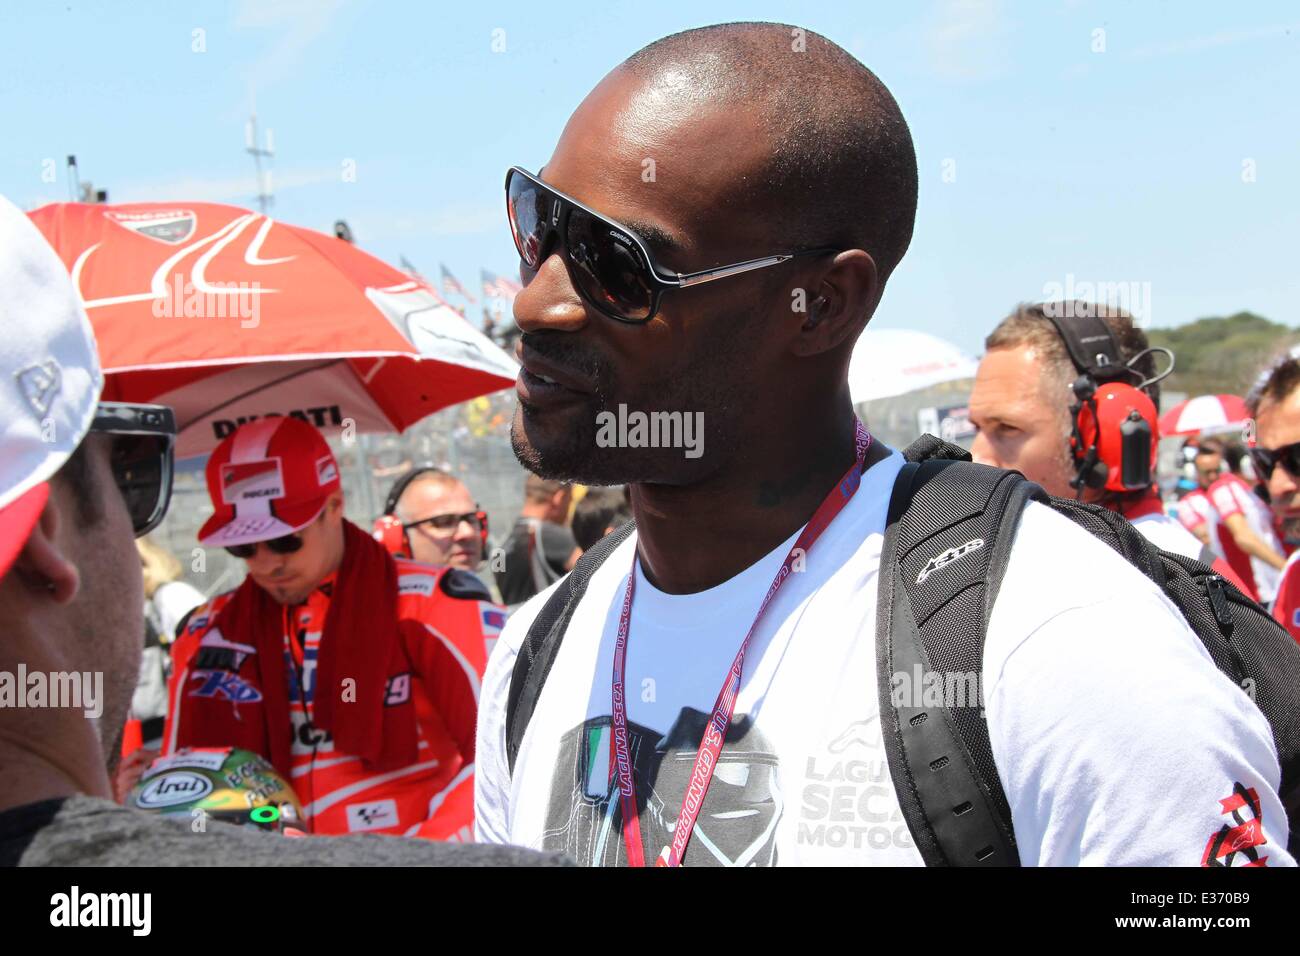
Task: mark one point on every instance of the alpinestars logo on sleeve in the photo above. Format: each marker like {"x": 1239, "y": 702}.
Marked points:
{"x": 1243, "y": 836}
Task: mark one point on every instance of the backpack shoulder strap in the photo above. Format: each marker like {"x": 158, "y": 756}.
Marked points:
{"x": 537, "y": 653}
{"x": 947, "y": 542}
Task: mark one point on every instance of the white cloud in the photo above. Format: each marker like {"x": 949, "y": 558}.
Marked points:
{"x": 1210, "y": 42}
{"x": 240, "y": 190}
{"x": 301, "y": 22}
{"x": 967, "y": 39}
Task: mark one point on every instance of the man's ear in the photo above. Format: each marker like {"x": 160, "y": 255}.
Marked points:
{"x": 843, "y": 300}
{"x": 336, "y": 501}
{"x": 41, "y": 564}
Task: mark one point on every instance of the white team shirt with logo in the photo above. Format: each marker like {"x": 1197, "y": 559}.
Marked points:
{"x": 1231, "y": 495}
{"x": 1194, "y": 511}
{"x": 1111, "y": 749}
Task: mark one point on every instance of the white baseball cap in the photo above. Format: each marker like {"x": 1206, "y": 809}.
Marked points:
{"x": 50, "y": 380}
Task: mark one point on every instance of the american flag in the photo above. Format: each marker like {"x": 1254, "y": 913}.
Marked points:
{"x": 451, "y": 285}
{"x": 498, "y": 287}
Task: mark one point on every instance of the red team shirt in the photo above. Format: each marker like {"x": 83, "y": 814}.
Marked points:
{"x": 446, "y": 637}
{"x": 1286, "y": 608}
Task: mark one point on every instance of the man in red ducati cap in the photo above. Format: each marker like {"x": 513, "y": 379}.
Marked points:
{"x": 354, "y": 673}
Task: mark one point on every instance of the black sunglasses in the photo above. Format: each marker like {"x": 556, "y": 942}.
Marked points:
{"x": 1266, "y": 459}
{"x": 286, "y": 544}
{"x": 450, "y": 522}
{"x": 141, "y": 459}
{"x": 608, "y": 263}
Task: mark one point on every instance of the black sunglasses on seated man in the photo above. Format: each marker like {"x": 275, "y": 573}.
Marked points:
{"x": 143, "y": 439}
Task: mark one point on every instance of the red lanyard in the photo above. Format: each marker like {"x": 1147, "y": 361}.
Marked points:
{"x": 716, "y": 730}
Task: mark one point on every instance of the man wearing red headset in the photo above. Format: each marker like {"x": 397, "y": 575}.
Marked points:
{"x": 1066, "y": 394}
{"x": 355, "y": 673}
{"x": 431, "y": 516}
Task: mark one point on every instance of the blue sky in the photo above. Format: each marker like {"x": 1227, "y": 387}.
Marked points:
{"x": 1049, "y": 152}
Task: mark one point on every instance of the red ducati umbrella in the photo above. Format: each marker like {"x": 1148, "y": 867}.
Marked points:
{"x": 1205, "y": 413}
{"x": 228, "y": 315}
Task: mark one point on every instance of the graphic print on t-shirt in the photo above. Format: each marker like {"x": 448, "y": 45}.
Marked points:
{"x": 847, "y": 801}
{"x": 736, "y": 825}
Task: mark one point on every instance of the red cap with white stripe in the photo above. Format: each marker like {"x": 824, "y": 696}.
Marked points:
{"x": 270, "y": 478}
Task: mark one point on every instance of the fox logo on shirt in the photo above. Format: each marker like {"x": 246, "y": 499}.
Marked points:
{"x": 220, "y": 683}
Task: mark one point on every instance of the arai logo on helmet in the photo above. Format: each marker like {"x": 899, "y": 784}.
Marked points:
{"x": 180, "y": 786}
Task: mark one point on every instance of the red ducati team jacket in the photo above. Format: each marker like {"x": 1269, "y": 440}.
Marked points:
{"x": 447, "y": 627}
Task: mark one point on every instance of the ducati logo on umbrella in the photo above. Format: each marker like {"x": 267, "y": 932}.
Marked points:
{"x": 172, "y": 226}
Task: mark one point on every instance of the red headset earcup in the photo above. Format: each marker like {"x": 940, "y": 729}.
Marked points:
{"x": 1115, "y": 402}
{"x": 389, "y": 532}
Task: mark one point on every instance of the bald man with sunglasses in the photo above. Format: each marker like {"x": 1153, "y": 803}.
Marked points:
{"x": 693, "y": 692}
{"x": 355, "y": 673}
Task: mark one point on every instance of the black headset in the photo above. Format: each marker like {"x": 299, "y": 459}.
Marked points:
{"x": 400, "y": 486}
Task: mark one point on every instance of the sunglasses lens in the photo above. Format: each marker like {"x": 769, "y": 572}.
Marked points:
{"x": 1263, "y": 462}
{"x": 286, "y": 545}
{"x": 1289, "y": 458}
{"x": 527, "y": 206}
{"x": 610, "y": 271}
{"x": 142, "y": 468}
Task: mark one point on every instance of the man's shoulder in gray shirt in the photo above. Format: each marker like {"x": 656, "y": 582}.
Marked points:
{"x": 88, "y": 831}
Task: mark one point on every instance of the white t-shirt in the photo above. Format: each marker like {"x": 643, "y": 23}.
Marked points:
{"x": 1111, "y": 750}
{"x": 1167, "y": 533}
{"x": 173, "y": 601}
{"x": 1230, "y": 496}
{"x": 1194, "y": 511}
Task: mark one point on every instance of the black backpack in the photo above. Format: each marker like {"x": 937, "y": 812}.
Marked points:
{"x": 944, "y": 507}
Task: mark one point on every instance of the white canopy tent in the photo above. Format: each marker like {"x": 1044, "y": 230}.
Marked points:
{"x": 890, "y": 362}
